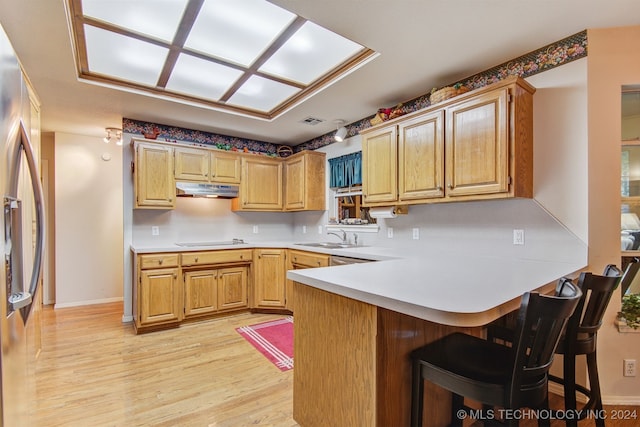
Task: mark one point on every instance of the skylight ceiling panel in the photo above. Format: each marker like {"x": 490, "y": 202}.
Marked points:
{"x": 202, "y": 79}
{"x": 122, "y": 57}
{"x": 261, "y": 94}
{"x": 310, "y": 53}
{"x": 237, "y": 31}
{"x": 156, "y": 18}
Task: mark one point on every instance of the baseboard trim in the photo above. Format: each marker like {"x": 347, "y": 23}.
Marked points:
{"x": 89, "y": 302}
{"x": 556, "y": 388}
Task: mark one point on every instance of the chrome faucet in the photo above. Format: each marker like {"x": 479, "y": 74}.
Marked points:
{"x": 343, "y": 237}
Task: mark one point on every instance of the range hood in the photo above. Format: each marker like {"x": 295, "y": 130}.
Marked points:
{"x": 197, "y": 189}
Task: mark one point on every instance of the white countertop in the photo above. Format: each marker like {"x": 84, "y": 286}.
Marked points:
{"x": 440, "y": 287}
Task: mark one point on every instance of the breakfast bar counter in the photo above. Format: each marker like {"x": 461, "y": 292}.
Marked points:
{"x": 356, "y": 325}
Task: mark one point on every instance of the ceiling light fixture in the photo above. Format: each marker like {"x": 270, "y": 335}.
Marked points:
{"x": 113, "y": 135}
{"x": 341, "y": 131}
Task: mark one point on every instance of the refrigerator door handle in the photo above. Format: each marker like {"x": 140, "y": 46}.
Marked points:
{"x": 24, "y": 302}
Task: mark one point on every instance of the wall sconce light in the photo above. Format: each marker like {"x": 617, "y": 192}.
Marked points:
{"x": 341, "y": 131}
{"x": 113, "y": 135}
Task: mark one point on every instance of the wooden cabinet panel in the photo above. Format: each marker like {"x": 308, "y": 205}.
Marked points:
{"x": 261, "y": 185}
{"x": 305, "y": 181}
{"x": 270, "y": 276}
{"x": 477, "y": 145}
{"x": 225, "y": 168}
{"x": 294, "y": 171}
{"x": 200, "y": 292}
{"x": 155, "y": 186}
{"x": 158, "y": 261}
{"x": 379, "y": 165}
{"x": 191, "y": 164}
{"x": 216, "y": 257}
{"x": 232, "y": 288}
{"x": 159, "y": 297}
{"x": 421, "y": 157}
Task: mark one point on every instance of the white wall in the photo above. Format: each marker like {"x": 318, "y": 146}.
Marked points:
{"x": 88, "y": 221}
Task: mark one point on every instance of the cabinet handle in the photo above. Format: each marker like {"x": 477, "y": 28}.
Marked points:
{"x": 175, "y": 276}
{"x": 318, "y": 262}
{"x": 438, "y": 188}
{"x": 295, "y": 258}
{"x": 241, "y": 256}
{"x": 450, "y": 186}
{"x": 196, "y": 259}
{"x": 160, "y": 262}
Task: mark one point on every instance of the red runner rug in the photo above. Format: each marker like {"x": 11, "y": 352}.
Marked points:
{"x": 274, "y": 339}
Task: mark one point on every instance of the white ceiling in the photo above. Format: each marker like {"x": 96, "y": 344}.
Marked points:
{"x": 423, "y": 44}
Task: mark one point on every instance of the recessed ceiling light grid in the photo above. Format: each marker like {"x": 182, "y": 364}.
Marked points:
{"x": 249, "y": 57}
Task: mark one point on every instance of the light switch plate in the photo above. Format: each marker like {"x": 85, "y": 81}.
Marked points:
{"x": 255, "y": 229}
{"x": 155, "y": 230}
{"x": 416, "y": 234}
{"x": 390, "y": 232}
{"x": 304, "y": 229}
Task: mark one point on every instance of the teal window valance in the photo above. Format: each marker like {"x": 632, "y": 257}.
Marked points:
{"x": 345, "y": 171}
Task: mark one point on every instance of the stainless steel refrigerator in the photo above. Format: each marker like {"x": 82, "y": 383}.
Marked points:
{"x": 23, "y": 247}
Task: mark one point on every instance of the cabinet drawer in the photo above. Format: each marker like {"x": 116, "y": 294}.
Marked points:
{"x": 309, "y": 259}
{"x": 216, "y": 257}
{"x": 158, "y": 260}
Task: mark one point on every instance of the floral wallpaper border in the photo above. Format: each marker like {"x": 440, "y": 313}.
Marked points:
{"x": 553, "y": 55}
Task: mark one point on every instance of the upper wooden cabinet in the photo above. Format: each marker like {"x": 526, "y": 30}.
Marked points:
{"x": 206, "y": 166}
{"x": 225, "y": 168}
{"x": 154, "y": 183}
{"x": 266, "y": 183}
{"x": 305, "y": 181}
{"x": 261, "y": 186}
{"x": 191, "y": 164}
{"x": 475, "y": 146}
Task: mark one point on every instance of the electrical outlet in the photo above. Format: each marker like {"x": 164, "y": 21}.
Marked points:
{"x": 155, "y": 230}
{"x": 256, "y": 230}
{"x": 319, "y": 229}
{"x": 518, "y": 237}
{"x": 416, "y": 234}
{"x": 629, "y": 367}
{"x": 390, "y": 232}
{"x": 304, "y": 229}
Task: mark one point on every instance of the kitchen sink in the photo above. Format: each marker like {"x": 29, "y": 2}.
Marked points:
{"x": 328, "y": 245}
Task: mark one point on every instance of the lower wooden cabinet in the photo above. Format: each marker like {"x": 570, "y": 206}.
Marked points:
{"x": 214, "y": 290}
{"x": 269, "y": 266}
{"x": 298, "y": 260}
{"x": 157, "y": 299}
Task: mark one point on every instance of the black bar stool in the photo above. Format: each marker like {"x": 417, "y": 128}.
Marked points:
{"x": 581, "y": 339}
{"x": 497, "y": 375}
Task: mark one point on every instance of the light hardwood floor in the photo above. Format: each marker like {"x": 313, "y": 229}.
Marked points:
{"x": 94, "y": 371}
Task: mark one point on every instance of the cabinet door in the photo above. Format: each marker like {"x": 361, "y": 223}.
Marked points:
{"x": 270, "y": 278}
{"x": 421, "y": 157}
{"x": 477, "y": 142}
{"x": 379, "y": 166}
{"x": 294, "y": 172}
{"x": 159, "y": 296}
{"x": 191, "y": 164}
{"x": 232, "y": 288}
{"x": 261, "y": 186}
{"x": 225, "y": 168}
{"x": 154, "y": 181}
{"x": 200, "y": 292}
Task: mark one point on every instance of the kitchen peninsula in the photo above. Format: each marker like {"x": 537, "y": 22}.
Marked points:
{"x": 356, "y": 325}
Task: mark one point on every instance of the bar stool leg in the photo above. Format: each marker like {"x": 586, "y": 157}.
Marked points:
{"x": 569, "y": 382}
{"x": 457, "y": 403}
{"x": 417, "y": 395}
{"x": 594, "y": 385}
